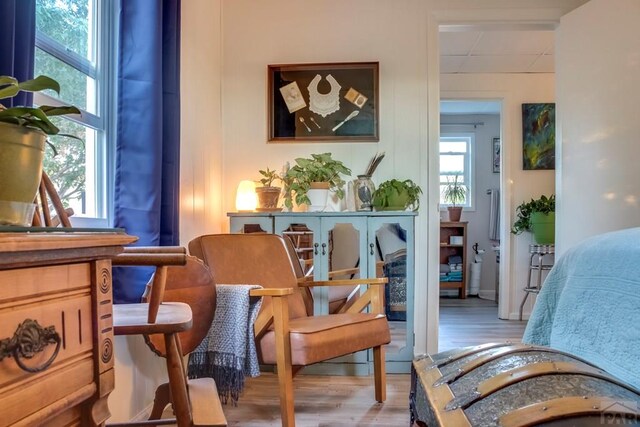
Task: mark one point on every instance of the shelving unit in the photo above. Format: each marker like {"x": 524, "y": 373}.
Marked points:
{"x": 447, "y": 249}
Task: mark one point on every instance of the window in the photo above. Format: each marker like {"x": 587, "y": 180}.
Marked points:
{"x": 455, "y": 159}
{"x": 72, "y": 46}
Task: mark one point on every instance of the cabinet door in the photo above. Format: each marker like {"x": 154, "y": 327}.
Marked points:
{"x": 342, "y": 249}
{"x": 391, "y": 254}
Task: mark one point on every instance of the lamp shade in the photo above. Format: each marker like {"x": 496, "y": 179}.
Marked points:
{"x": 246, "y": 198}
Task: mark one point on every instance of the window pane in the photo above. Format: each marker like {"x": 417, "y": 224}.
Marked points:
{"x": 453, "y": 146}
{"x": 451, "y": 163}
{"x": 75, "y": 87}
{"x": 67, "y": 22}
{"x": 73, "y": 169}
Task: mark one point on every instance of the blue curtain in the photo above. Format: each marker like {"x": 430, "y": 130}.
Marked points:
{"x": 148, "y": 136}
{"x": 17, "y": 44}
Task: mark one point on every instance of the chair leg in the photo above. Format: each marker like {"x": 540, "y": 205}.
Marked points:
{"x": 380, "y": 375}
{"x": 283, "y": 361}
{"x": 177, "y": 381}
{"x": 160, "y": 402}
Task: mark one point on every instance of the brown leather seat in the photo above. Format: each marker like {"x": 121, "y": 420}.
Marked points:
{"x": 285, "y": 332}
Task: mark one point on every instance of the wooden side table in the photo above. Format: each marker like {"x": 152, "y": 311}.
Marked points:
{"x": 56, "y": 334}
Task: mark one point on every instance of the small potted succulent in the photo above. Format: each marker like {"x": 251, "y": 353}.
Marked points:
{"x": 268, "y": 194}
{"x": 455, "y": 193}
{"x": 23, "y": 135}
{"x": 311, "y": 179}
{"x": 396, "y": 195}
{"x": 537, "y": 216}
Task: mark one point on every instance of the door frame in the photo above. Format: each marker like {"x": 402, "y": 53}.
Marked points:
{"x": 427, "y": 301}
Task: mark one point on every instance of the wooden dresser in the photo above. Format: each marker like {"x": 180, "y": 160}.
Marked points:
{"x": 56, "y": 337}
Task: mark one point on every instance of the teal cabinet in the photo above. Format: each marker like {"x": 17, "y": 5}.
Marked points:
{"x": 344, "y": 245}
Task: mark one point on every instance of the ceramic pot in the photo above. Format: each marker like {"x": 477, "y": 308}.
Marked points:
{"x": 543, "y": 227}
{"x": 21, "y": 155}
{"x": 318, "y": 195}
{"x": 363, "y": 189}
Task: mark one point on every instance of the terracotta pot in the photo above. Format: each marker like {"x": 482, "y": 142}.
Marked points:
{"x": 21, "y": 154}
{"x": 455, "y": 212}
{"x": 268, "y": 198}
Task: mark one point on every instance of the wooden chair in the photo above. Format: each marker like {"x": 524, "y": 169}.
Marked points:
{"x": 195, "y": 402}
{"x": 42, "y": 217}
{"x": 176, "y": 296}
{"x": 286, "y": 333}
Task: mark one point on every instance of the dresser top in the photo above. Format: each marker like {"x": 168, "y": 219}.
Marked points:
{"x": 322, "y": 214}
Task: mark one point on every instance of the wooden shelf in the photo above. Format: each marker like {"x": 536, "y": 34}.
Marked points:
{"x": 448, "y": 229}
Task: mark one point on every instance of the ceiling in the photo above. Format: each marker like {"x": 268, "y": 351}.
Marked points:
{"x": 500, "y": 51}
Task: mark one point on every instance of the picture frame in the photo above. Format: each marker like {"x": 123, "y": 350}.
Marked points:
{"x": 496, "y": 155}
{"x": 334, "y": 102}
{"x": 539, "y": 136}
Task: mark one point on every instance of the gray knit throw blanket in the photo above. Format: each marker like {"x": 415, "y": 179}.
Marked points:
{"x": 228, "y": 352}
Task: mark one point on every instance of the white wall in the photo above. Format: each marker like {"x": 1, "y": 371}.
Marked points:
{"x": 483, "y": 179}
{"x": 514, "y": 90}
{"x": 291, "y": 31}
{"x": 598, "y": 75}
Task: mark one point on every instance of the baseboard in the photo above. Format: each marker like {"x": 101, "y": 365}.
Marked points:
{"x": 143, "y": 415}
{"x": 487, "y": 294}
{"x": 516, "y": 316}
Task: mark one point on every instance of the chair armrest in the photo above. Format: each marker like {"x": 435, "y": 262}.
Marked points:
{"x": 271, "y": 292}
{"x": 268, "y": 317}
{"x": 158, "y": 256}
{"x": 155, "y": 250}
{"x": 346, "y": 282}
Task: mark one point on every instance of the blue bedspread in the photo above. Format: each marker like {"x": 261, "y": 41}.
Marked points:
{"x": 590, "y": 304}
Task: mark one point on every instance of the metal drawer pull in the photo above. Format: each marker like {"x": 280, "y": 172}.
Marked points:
{"x": 371, "y": 247}
{"x": 315, "y": 248}
{"x": 30, "y": 338}
{"x": 324, "y": 249}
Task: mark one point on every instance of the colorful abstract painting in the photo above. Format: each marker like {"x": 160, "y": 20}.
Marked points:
{"x": 539, "y": 136}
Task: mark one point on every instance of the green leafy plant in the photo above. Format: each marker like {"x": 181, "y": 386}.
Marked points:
{"x": 543, "y": 205}
{"x": 269, "y": 177}
{"x": 33, "y": 117}
{"x": 454, "y": 192}
{"x": 318, "y": 168}
{"x": 397, "y": 194}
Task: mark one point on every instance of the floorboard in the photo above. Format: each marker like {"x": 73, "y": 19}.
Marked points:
{"x": 323, "y": 401}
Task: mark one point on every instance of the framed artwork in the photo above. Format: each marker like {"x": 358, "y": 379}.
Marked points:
{"x": 323, "y": 102}
{"x": 496, "y": 155}
{"x": 539, "y": 136}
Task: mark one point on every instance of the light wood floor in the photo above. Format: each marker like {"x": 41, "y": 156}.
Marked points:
{"x": 333, "y": 401}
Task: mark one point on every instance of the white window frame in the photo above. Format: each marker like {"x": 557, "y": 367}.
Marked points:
{"x": 469, "y": 156}
{"x": 104, "y": 121}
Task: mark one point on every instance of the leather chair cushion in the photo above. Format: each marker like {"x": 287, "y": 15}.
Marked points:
{"x": 318, "y": 338}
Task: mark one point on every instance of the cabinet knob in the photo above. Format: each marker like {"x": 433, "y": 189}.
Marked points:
{"x": 324, "y": 247}
{"x": 315, "y": 250}
{"x": 371, "y": 248}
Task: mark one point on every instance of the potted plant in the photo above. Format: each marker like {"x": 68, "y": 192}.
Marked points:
{"x": 23, "y": 134}
{"x": 454, "y": 192}
{"x": 539, "y": 217}
{"x": 312, "y": 178}
{"x": 396, "y": 195}
{"x": 268, "y": 194}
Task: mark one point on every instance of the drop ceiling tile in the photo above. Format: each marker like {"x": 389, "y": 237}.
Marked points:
{"x": 498, "y": 64}
{"x": 451, "y": 64}
{"x": 544, "y": 64}
{"x": 457, "y": 43}
{"x": 513, "y": 42}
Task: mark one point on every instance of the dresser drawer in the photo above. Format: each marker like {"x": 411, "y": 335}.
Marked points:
{"x": 42, "y": 282}
{"x": 70, "y": 376}
{"x": 69, "y": 315}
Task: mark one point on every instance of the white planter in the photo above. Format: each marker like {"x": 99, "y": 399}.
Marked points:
{"x": 318, "y": 199}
